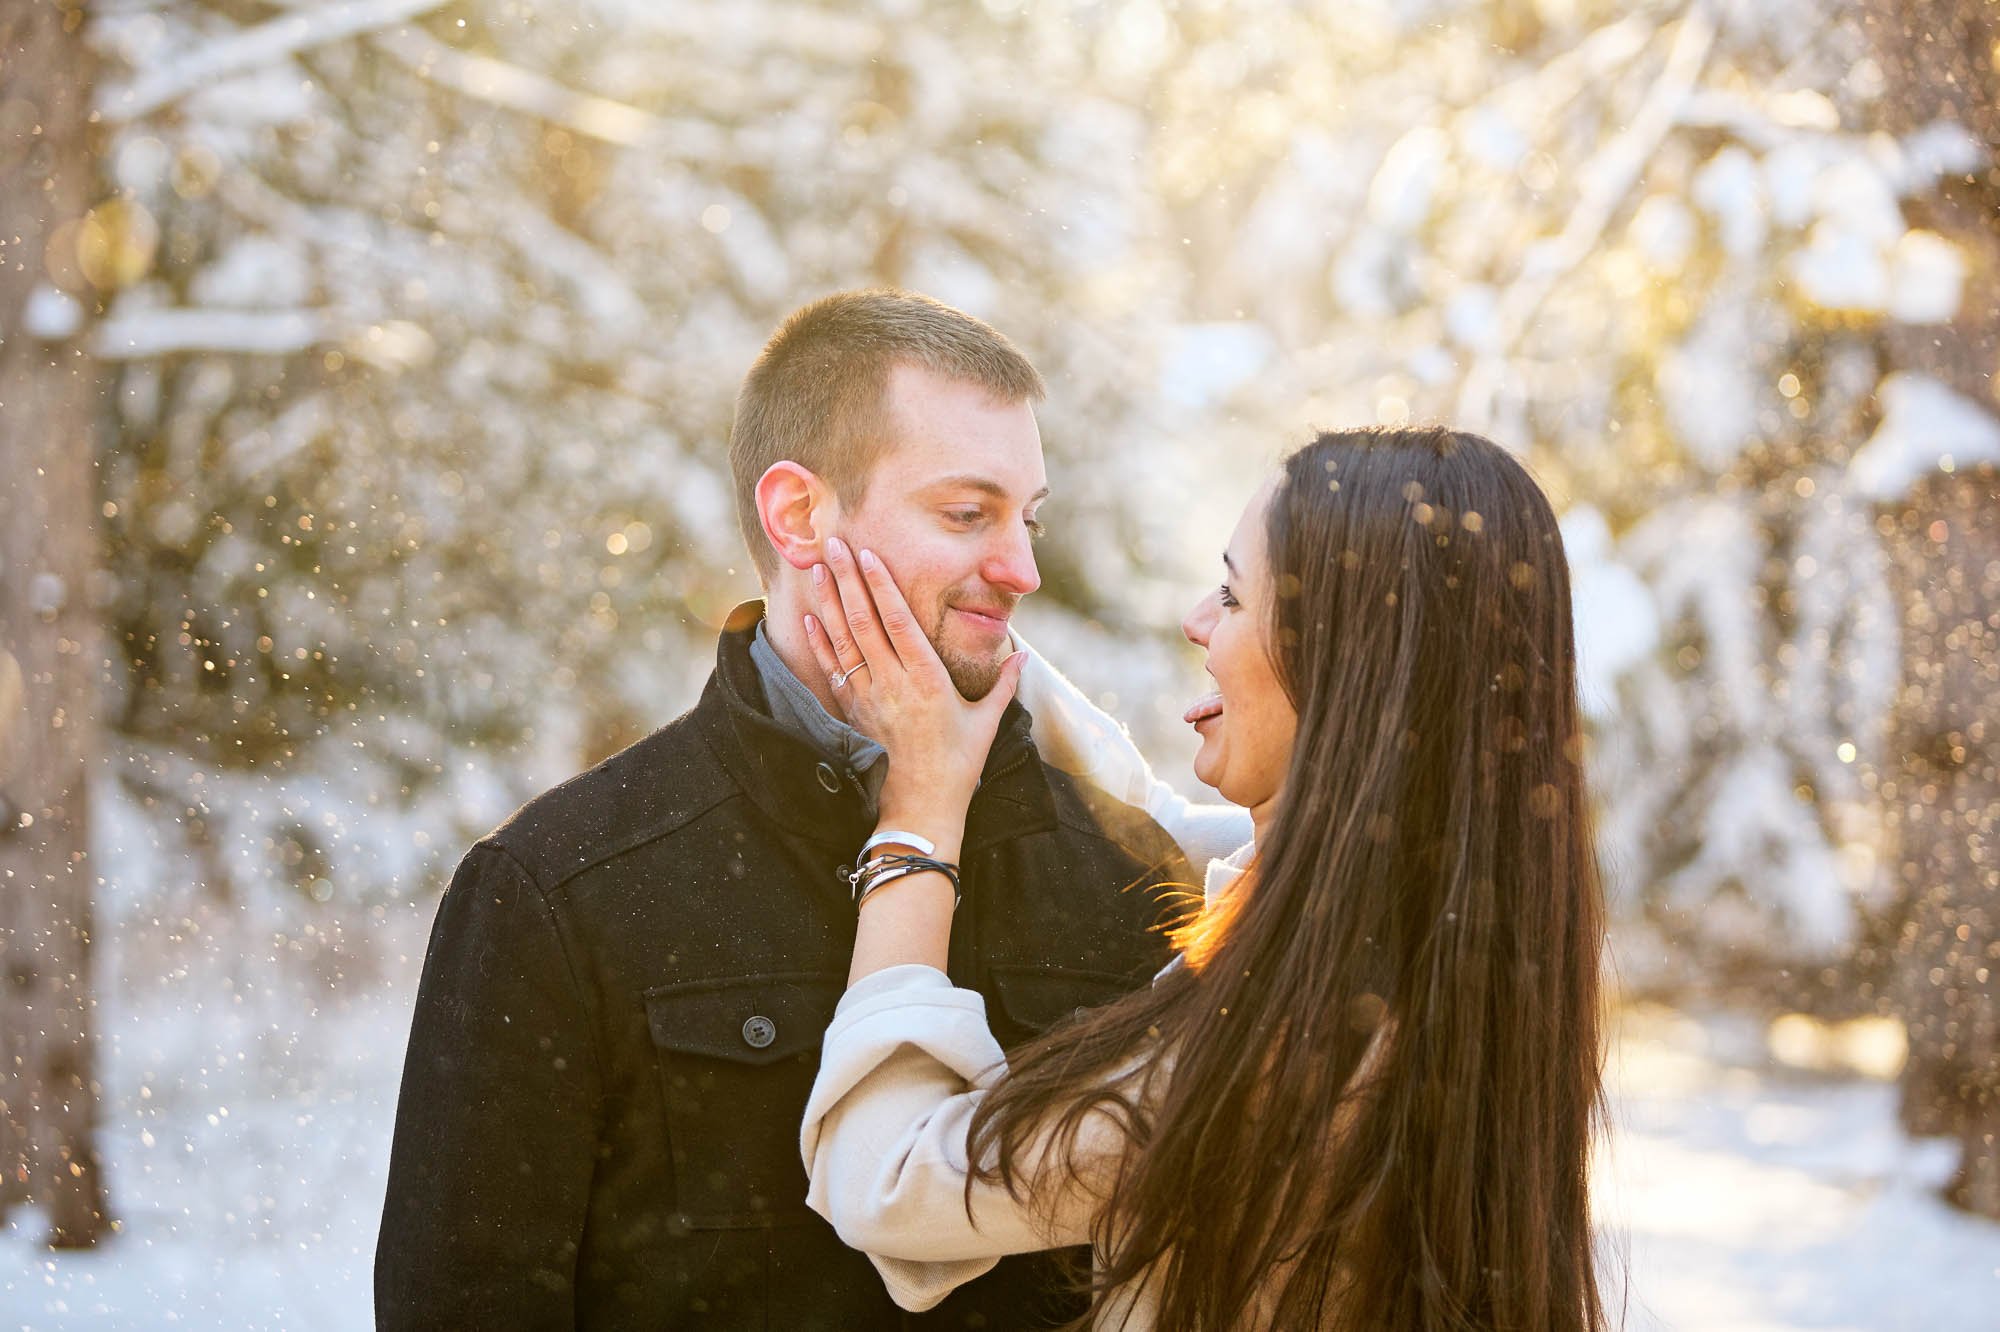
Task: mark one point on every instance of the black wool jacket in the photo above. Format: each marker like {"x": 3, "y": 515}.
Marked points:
{"x": 621, "y": 1011}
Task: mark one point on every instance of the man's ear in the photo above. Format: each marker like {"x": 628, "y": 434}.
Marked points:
{"x": 796, "y": 509}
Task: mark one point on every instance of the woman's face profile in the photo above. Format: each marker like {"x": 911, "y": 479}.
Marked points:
{"x": 1248, "y": 723}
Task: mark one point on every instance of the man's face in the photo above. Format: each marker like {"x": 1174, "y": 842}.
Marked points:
{"x": 950, "y": 509}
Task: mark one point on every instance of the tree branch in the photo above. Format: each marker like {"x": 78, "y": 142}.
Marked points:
{"x": 251, "y": 47}
{"x": 517, "y": 89}
{"x": 149, "y": 333}
{"x": 1607, "y": 178}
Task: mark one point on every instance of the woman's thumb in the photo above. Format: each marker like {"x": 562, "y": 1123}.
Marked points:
{"x": 1006, "y": 686}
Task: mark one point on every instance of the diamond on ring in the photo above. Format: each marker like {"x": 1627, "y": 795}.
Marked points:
{"x": 839, "y": 679}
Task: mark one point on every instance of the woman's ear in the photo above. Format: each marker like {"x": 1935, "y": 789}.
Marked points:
{"x": 795, "y": 508}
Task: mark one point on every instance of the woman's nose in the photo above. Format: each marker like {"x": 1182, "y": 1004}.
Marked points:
{"x": 1198, "y": 621}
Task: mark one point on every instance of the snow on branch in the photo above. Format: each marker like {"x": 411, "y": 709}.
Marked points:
{"x": 389, "y": 248}
{"x": 546, "y": 246}
{"x": 1607, "y": 178}
{"x": 269, "y": 447}
{"x": 1925, "y": 427}
{"x": 1610, "y": 175}
{"x": 731, "y": 29}
{"x": 252, "y": 47}
{"x": 524, "y": 90}
{"x": 148, "y": 333}
{"x": 1542, "y": 92}
{"x": 1763, "y": 122}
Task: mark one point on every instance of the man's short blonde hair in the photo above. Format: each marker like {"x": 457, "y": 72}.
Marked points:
{"x": 816, "y": 393}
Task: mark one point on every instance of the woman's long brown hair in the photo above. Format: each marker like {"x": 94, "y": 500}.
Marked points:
{"x": 1384, "y": 1060}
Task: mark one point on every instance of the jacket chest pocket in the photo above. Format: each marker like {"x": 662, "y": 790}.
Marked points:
{"x": 1035, "y": 998}
{"x": 737, "y": 1059}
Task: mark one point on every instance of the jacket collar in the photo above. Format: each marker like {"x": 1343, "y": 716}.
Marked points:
{"x": 799, "y": 789}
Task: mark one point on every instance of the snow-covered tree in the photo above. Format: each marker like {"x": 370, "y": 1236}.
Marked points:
{"x": 418, "y": 477}
{"x": 1675, "y": 254}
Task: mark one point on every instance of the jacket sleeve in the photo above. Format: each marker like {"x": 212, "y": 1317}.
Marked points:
{"x": 905, "y": 1062}
{"x": 497, "y": 1122}
{"x": 1083, "y": 740}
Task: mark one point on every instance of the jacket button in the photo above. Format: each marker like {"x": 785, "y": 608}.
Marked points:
{"x": 828, "y": 778}
{"x": 759, "y": 1032}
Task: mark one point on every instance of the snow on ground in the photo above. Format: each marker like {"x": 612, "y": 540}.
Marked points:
{"x": 1755, "y": 1198}
{"x": 247, "y": 1142}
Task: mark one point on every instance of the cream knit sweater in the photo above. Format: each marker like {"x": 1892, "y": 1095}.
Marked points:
{"x": 906, "y": 1060}
{"x": 909, "y": 1055}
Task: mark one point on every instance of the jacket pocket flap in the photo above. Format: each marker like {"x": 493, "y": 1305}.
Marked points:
{"x": 1040, "y": 997}
{"x": 744, "y": 1019}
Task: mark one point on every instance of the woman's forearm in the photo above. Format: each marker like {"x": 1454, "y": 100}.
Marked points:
{"x": 905, "y": 921}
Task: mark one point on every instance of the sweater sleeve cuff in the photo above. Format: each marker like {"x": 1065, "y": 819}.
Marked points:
{"x": 909, "y": 978}
{"x": 909, "y": 1005}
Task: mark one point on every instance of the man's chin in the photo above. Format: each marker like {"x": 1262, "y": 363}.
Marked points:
{"x": 974, "y": 677}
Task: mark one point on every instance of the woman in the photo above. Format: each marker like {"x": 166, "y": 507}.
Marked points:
{"x": 1365, "y": 1095}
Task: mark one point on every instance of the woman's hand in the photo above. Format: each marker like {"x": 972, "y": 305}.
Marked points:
{"x": 896, "y": 691}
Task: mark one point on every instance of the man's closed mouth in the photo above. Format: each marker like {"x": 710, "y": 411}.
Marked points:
{"x": 985, "y": 617}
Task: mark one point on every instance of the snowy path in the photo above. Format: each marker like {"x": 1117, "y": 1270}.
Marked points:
{"x": 1754, "y": 1200}
{"x": 248, "y": 1186}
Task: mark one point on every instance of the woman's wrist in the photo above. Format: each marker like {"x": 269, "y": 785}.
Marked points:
{"x": 908, "y": 920}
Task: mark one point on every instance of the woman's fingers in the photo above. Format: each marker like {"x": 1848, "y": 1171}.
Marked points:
{"x": 822, "y": 648}
{"x": 863, "y": 626}
{"x": 1005, "y": 685}
{"x": 899, "y": 626}
{"x": 833, "y": 622}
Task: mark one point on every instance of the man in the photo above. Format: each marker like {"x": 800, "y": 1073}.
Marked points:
{"x": 627, "y": 982}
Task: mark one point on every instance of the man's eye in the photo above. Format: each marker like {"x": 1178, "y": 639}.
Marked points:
{"x": 963, "y": 517}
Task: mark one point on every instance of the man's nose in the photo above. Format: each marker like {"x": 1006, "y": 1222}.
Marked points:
{"x": 1012, "y": 565}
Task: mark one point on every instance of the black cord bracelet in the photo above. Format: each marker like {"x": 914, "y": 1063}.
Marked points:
{"x": 883, "y": 870}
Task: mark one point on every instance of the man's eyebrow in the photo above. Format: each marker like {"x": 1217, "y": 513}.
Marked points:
{"x": 984, "y": 485}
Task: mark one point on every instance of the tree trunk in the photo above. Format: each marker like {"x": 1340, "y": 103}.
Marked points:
{"x": 1938, "y": 62}
{"x": 48, "y": 642}
{"x": 1943, "y": 802}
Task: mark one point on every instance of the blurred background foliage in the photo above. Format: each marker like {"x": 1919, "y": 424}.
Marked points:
{"x": 425, "y": 321}
{"x": 418, "y": 326}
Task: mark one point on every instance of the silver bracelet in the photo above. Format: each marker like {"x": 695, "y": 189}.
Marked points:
{"x": 923, "y": 846}
{"x": 886, "y": 869}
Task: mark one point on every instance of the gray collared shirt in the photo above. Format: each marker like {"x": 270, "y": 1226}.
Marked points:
{"x": 793, "y": 707}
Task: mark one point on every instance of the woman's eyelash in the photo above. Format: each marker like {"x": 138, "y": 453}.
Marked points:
{"x": 1036, "y": 529}
{"x": 1228, "y": 597}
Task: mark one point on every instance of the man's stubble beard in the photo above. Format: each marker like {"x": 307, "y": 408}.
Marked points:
{"x": 974, "y": 677}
